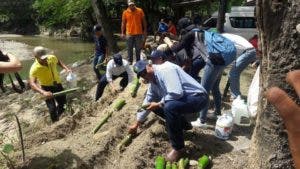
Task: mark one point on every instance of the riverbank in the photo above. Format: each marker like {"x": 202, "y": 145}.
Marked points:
{"x": 70, "y": 144}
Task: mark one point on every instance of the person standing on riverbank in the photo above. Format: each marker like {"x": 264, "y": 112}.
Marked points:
{"x": 44, "y": 78}
{"x": 134, "y": 27}
{"x": 101, "y": 49}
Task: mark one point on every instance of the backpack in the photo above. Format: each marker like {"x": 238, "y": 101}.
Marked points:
{"x": 213, "y": 46}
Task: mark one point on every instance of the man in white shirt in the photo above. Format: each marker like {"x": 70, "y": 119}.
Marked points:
{"x": 116, "y": 67}
{"x": 246, "y": 54}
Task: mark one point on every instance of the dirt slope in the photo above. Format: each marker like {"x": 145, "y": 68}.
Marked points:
{"x": 70, "y": 143}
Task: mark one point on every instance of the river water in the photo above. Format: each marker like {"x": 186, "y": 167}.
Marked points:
{"x": 68, "y": 50}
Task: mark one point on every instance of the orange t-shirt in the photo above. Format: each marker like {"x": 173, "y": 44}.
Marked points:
{"x": 134, "y": 21}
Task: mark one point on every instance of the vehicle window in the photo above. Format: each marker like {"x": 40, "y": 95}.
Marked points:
{"x": 242, "y": 22}
{"x": 211, "y": 23}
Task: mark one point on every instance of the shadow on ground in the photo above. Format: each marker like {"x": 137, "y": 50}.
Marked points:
{"x": 64, "y": 160}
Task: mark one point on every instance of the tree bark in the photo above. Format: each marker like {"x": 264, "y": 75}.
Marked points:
{"x": 221, "y": 16}
{"x": 280, "y": 43}
{"x": 103, "y": 20}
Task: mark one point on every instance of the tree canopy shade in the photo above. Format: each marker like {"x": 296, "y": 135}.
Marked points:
{"x": 61, "y": 13}
{"x": 17, "y": 16}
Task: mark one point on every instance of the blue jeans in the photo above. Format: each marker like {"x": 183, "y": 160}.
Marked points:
{"x": 173, "y": 112}
{"x": 211, "y": 82}
{"x": 197, "y": 65}
{"x": 239, "y": 65}
{"x": 99, "y": 58}
{"x": 136, "y": 42}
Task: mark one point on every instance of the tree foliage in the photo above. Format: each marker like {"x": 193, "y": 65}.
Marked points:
{"x": 61, "y": 13}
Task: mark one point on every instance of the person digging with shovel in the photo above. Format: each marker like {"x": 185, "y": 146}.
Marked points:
{"x": 44, "y": 78}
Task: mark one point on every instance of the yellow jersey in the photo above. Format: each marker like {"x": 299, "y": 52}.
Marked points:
{"x": 45, "y": 75}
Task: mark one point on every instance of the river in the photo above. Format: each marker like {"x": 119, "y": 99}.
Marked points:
{"x": 69, "y": 50}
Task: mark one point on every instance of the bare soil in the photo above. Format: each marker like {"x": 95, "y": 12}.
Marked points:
{"x": 69, "y": 143}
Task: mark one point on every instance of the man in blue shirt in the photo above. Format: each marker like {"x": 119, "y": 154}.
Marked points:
{"x": 101, "y": 49}
{"x": 173, "y": 95}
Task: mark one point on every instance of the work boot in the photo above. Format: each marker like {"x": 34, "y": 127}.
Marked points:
{"x": 175, "y": 155}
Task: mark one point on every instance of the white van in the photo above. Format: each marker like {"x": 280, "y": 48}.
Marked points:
{"x": 239, "y": 21}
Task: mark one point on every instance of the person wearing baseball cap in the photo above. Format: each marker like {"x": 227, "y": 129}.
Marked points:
{"x": 173, "y": 95}
{"x": 101, "y": 49}
{"x": 130, "y": 2}
{"x": 134, "y": 27}
{"x": 116, "y": 67}
{"x": 158, "y": 57}
{"x": 44, "y": 78}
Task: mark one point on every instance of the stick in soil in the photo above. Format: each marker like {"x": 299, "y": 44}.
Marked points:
{"x": 21, "y": 138}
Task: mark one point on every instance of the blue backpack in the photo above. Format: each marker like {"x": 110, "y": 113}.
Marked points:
{"x": 220, "y": 50}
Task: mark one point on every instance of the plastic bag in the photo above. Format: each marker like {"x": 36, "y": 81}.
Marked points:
{"x": 240, "y": 112}
{"x": 71, "y": 80}
{"x": 253, "y": 94}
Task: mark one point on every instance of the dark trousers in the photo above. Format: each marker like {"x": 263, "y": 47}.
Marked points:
{"x": 134, "y": 41}
{"x": 55, "y": 110}
{"x": 103, "y": 82}
{"x": 173, "y": 112}
{"x": 197, "y": 65}
{"x": 99, "y": 58}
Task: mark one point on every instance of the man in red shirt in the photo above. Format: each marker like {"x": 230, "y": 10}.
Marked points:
{"x": 134, "y": 26}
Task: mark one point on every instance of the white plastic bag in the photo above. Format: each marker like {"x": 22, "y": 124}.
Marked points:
{"x": 253, "y": 94}
{"x": 71, "y": 80}
{"x": 240, "y": 112}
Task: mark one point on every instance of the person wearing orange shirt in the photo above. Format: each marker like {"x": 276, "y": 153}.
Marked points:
{"x": 134, "y": 27}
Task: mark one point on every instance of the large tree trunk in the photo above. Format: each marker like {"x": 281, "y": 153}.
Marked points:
{"x": 221, "y": 16}
{"x": 103, "y": 20}
{"x": 280, "y": 42}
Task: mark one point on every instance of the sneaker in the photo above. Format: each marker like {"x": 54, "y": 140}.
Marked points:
{"x": 199, "y": 124}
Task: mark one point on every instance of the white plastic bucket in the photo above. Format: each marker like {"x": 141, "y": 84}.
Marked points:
{"x": 240, "y": 112}
{"x": 224, "y": 126}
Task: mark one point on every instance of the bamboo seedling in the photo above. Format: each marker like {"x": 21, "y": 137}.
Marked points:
{"x": 144, "y": 107}
{"x": 125, "y": 142}
{"x": 160, "y": 162}
{"x": 174, "y": 165}
{"x": 135, "y": 87}
{"x": 182, "y": 164}
{"x": 118, "y": 105}
{"x": 168, "y": 165}
{"x": 65, "y": 91}
{"x": 103, "y": 121}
